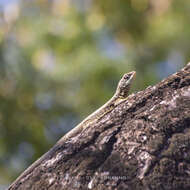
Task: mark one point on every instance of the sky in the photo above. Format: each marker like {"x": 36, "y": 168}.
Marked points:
{"x": 5, "y": 2}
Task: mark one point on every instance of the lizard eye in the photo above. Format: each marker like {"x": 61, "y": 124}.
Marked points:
{"x": 126, "y": 77}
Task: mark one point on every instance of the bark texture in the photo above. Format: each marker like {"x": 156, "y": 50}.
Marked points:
{"x": 144, "y": 143}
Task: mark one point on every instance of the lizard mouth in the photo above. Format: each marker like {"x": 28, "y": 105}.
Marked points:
{"x": 133, "y": 73}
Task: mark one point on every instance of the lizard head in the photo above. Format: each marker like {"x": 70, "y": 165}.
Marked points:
{"x": 124, "y": 84}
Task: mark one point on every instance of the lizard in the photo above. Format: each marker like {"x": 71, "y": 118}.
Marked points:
{"x": 120, "y": 95}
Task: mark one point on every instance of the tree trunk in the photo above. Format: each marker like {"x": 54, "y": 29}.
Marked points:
{"x": 143, "y": 143}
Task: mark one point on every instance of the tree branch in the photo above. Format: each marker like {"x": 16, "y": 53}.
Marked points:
{"x": 144, "y": 143}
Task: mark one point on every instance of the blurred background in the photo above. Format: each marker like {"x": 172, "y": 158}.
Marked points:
{"x": 62, "y": 59}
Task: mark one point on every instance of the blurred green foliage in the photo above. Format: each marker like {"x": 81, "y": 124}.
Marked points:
{"x": 60, "y": 60}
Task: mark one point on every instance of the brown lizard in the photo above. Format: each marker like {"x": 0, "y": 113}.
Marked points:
{"x": 120, "y": 95}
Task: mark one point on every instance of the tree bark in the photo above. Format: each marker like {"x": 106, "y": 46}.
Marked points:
{"x": 144, "y": 143}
